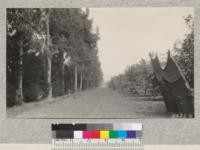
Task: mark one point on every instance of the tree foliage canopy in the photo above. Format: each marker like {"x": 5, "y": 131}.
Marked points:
{"x": 72, "y": 43}
{"x": 184, "y": 52}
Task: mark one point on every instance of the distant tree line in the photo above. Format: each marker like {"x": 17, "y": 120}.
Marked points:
{"x": 139, "y": 79}
{"x": 50, "y": 52}
{"x": 136, "y": 80}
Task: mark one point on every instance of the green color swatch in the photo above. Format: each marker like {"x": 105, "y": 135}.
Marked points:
{"x": 113, "y": 134}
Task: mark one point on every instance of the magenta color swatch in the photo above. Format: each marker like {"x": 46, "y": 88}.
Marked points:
{"x": 87, "y": 134}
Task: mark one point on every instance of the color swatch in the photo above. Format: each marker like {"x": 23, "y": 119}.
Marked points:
{"x": 97, "y": 136}
{"x": 96, "y": 131}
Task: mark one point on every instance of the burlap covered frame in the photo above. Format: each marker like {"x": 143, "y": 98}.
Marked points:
{"x": 177, "y": 94}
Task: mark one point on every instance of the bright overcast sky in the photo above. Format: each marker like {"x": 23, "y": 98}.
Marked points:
{"x": 129, "y": 34}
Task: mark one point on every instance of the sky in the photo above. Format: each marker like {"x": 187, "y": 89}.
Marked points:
{"x": 129, "y": 34}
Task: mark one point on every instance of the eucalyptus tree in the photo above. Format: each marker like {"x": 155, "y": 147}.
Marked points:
{"x": 21, "y": 25}
{"x": 59, "y": 31}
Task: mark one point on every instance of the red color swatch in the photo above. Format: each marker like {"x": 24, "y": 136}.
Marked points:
{"x": 95, "y": 134}
{"x": 91, "y": 134}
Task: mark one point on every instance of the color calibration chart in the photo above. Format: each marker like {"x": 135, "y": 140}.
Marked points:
{"x": 118, "y": 135}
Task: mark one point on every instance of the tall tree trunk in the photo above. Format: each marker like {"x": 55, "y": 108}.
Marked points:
{"x": 19, "y": 95}
{"x": 49, "y": 95}
{"x": 49, "y": 77}
{"x": 86, "y": 84}
{"x": 71, "y": 86}
{"x": 81, "y": 81}
{"x": 62, "y": 73}
{"x": 75, "y": 77}
{"x": 81, "y": 76}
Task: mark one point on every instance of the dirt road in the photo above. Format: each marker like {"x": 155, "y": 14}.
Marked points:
{"x": 93, "y": 103}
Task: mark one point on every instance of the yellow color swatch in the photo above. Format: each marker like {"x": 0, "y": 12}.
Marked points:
{"x": 104, "y": 134}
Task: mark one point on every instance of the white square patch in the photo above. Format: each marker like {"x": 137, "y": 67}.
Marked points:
{"x": 78, "y": 134}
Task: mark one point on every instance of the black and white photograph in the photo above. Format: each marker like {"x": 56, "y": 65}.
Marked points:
{"x": 112, "y": 63}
